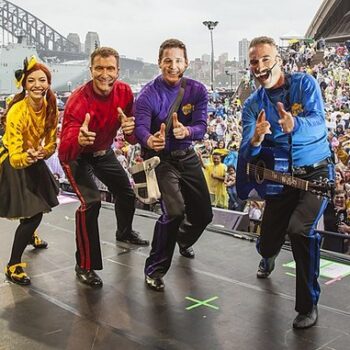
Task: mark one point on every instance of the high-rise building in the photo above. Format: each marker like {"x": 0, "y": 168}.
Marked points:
{"x": 92, "y": 41}
{"x": 223, "y": 58}
{"x": 243, "y": 50}
{"x": 206, "y": 58}
{"x": 74, "y": 38}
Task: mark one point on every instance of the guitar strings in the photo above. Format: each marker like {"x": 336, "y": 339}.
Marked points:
{"x": 254, "y": 169}
{"x": 261, "y": 171}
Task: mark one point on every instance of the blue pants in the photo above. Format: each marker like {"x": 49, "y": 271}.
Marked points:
{"x": 296, "y": 213}
{"x": 233, "y": 198}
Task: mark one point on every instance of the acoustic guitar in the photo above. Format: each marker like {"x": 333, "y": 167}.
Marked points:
{"x": 267, "y": 174}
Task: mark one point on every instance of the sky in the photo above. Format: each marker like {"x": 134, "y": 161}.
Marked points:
{"x": 136, "y": 28}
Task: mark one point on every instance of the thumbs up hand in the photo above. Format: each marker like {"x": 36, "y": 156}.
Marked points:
{"x": 86, "y": 137}
{"x": 286, "y": 119}
{"x": 179, "y": 130}
{"x": 157, "y": 141}
{"x": 127, "y": 123}
{"x": 262, "y": 128}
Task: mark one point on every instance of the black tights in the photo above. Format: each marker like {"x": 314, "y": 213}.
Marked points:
{"x": 23, "y": 236}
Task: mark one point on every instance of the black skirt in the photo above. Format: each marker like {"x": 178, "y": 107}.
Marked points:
{"x": 26, "y": 192}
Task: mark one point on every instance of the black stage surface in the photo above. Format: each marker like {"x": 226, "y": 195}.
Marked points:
{"x": 213, "y": 302}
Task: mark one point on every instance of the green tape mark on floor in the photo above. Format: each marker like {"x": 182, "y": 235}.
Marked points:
{"x": 198, "y": 303}
{"x": 328, "y": 269}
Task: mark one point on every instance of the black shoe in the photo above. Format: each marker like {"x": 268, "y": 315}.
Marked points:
{"x": 308, "y": 320}
{"x": 16, "y": 274}
{"x": 88, "y": 277}
{"x": 265, "y": 267}
{"x": 187, "y": 252}
{"x": 37, "y": 242}
{"x": 154, "y": 283}
{"x": 133, "y": 238}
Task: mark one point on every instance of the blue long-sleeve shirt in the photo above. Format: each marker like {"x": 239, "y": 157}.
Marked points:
{"x": 308, "y": 140}
{"x": 154, "y": 102}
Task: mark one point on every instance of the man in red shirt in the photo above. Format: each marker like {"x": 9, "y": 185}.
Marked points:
{"x": 94, "y": 113}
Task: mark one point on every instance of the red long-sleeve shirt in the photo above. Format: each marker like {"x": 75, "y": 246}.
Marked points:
{"x": 104, "y": 119}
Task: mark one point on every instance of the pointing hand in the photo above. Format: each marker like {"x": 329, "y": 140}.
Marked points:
{"x": 262, "y": 128}
{"x": 41, "y": 152}
{"x": 286, "y": 119}
{"x": 32, "y": 154}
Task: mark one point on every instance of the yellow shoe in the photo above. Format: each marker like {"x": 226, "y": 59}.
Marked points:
{"x": 16, "y": 274}
{"x": 37, "y": 242}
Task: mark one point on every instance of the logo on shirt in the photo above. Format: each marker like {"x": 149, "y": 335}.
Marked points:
{"x": 296, "y": 109}
{"x": 187, "y": 109}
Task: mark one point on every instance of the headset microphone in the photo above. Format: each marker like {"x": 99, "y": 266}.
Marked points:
{"x": 182, "y": 73}
{"x": 44, "y": 92}
{"x": 266, "y": 71}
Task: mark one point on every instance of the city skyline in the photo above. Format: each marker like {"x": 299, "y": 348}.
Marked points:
{"x": 145, "y": 24}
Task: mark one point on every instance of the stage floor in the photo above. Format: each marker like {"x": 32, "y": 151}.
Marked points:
{"x": 213, "y": 302}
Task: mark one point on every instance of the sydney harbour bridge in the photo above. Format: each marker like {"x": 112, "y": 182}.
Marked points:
{"x": 22, "y": 25}
{"x": 48, "y": 41}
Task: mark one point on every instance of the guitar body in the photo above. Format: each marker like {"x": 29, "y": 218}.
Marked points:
{"x": 269, "y": 158}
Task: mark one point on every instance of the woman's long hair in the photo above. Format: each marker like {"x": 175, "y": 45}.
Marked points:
{"x": 51, "y": 108}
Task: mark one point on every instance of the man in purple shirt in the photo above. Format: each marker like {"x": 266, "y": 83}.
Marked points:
{"x": 185, "y": 198}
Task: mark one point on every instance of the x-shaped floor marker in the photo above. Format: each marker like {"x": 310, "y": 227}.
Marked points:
{"x": 202, "y": 303}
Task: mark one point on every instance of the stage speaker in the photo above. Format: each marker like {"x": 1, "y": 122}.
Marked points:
{"x": 230, "y": 219}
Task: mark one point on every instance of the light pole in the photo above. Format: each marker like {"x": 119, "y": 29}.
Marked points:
{"x": 211, "y": 25}
{"x": 231, "y": 75}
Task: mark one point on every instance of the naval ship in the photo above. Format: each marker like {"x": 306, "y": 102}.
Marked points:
{"x": 65, "y": 75}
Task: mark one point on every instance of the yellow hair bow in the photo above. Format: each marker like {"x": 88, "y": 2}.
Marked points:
{"x": 27, "y": 65}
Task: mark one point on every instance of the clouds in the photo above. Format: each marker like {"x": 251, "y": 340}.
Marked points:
{"x": 137, "y": 27}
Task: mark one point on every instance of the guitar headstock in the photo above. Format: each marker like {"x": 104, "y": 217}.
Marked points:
{"x": 322, "y": 187}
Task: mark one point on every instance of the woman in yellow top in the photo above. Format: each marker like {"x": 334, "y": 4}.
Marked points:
{"x": 27, "y": 188}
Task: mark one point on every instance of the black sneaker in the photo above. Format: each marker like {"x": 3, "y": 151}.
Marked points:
{"x": 16, "y": 274}
{"x": 37, "y": 242}
{"x": 265, "y": 267}
{"x": 156, "y": 284}
{"x": 88, "y": 277}
{"x": 308, "y": 320}
{"x": 187, "y": 252}
{"x": 133, "y": 238}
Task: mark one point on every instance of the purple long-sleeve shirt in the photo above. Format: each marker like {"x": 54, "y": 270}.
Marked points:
{"x": 154, "y": 102}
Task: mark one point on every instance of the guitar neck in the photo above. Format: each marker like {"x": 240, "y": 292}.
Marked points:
{"x": 281, "y": 178}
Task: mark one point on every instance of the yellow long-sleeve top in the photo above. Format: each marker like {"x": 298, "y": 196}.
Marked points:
{"x": 23, "y": 124}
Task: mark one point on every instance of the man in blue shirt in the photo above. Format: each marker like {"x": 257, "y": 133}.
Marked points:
{"x": 185, "y": 198}
{"x": 287, "y": 113}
